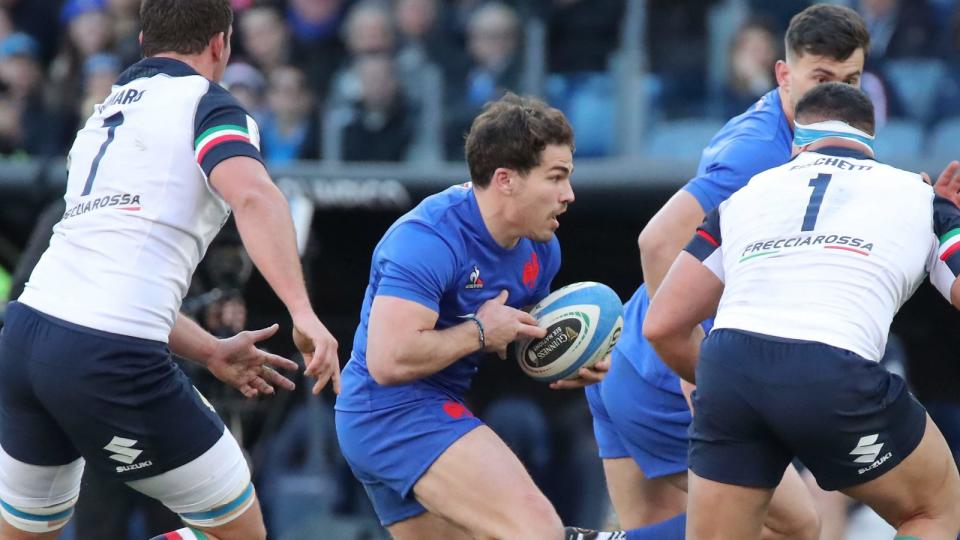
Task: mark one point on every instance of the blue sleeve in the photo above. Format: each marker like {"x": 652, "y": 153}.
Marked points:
{"x": 416, "y": 264}
{"x": 223, "y": 129}
{"x": 721, "y": 173}
{"x": 550, "y": 269}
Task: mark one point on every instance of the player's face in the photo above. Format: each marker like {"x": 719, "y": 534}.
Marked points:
{"x": 544, "y": 194}
{"x": 799, "y": 74}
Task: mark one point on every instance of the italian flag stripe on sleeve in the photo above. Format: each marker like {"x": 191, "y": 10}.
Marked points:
{"x": 949, "y": 243}
{"x": 219, "y": 135}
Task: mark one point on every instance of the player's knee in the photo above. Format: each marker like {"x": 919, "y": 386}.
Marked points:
{"x": 805, "y": 525}
{"x": 538, "y": 519}
{"x": 37, "y": 519}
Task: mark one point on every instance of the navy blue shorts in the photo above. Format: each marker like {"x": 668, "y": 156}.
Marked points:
{"x": 636, "y": 419}
{"x": 762, "y": 400}
{"x": 120, "y": 402}
{"x": 390, "y": 449}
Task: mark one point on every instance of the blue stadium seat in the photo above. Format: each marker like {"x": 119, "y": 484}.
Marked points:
{"x": 945, "y": 141}
{"x": 916, "y": 82}
{"x": 899, "y": 140}
{"x": 681, "y": 138}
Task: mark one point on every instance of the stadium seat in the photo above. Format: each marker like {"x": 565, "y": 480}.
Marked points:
{"x": 898, "y": 141}
{"x": 681, "y": 138}
{"x": 945, "y": 141}
{"x": 916, "y": 81}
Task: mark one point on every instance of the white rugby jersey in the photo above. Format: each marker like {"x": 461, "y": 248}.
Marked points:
{"x": 827, "y": 248}
{"x": 140, "y": 213}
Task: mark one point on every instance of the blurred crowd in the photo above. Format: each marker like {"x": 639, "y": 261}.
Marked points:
{"x": 400, "y": 80}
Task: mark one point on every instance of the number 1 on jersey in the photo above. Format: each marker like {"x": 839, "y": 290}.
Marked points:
{"x": 819, "y": 185}
{"x": 111, "y": 122}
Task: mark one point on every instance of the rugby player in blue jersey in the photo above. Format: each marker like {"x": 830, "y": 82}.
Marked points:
{"x": 448, "y": 282}
{"x": 640, "y": 412}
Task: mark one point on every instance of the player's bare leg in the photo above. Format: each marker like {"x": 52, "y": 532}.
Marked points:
{"x": 641, "y": 501}
{"x": 792, "y": 513}
{"x": 428, "y": 525}
{"x": 8, "y": 532}
{"x": 832, "y": 507}
{"x": 479, "y": 484}
{"x": 718, "y": 511}
{"x": 919, "y": 496}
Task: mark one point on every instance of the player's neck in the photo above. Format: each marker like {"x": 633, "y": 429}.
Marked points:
{"x": 785, "y": 105}
{"x": 838, "y": 142}
{"x": 200, "y": 64}
{"x": 495, "y": 219}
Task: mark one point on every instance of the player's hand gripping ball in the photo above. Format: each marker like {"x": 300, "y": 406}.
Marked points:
{"x": 583, "y": 323}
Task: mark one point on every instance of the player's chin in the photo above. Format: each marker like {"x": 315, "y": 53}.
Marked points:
{"x": 542, "y": 235}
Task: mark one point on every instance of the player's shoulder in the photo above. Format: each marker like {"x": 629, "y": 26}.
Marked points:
{"x": 440, "y": 216}
{"x": 762, "y": 125}
{"x": 159, "y": 70}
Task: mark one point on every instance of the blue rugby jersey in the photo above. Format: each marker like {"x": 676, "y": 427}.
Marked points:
{"x": 759, "y": 139}
{"x": 441, "y": 255}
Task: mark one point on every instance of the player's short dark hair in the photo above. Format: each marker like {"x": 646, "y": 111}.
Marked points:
{"x": 827, "y": 30}
{"x": 512, "y": 132}
{"x": 182, "y": 26}
{"x": 837, "y": 101}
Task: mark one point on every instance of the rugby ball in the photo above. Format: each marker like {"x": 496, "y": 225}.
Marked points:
{"x": 583, "y": 322}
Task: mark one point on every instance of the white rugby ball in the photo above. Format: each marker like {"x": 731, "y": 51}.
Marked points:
{"x": 583, "y": 322}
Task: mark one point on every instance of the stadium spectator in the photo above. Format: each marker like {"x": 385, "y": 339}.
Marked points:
{"x": 265, "y": 38}
{"x": 493, "y": 43}
{"x": 367, "y": 30}
{"x": 89, "y": 32}
{"x": 753, "y": 53}
{"x": 29, "y": 125}
{"x": 898, "y": 29}
{"x": 35, "y": 17}
{"x": 581, "y": 35}
{"x": 247, "y": 84}
{"x": 100, "y": 71}
{"x": 316, "y": 43}
{"x": 125, "y": 17}
{"x": 289, "y": 126}
{"x": 381, "y": 123}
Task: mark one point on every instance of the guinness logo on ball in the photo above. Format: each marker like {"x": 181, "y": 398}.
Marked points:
{"x": 560, "y": 337}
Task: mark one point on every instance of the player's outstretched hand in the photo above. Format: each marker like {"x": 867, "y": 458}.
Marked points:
{"x": 238, "y": 362}
{"x": 319, "y": 350}
{"x": 585, "y": 376}
{"x": 948, "y": 183}
{"x": 503, "y": 324}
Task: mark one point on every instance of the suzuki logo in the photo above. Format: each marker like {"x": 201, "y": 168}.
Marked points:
{"x": 123, "y": 450}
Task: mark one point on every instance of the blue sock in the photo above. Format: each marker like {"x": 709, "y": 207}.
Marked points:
{"x": 671, "y": 529}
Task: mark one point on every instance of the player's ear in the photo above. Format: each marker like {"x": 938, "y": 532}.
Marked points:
{"x": 782, "y": 71}
{"x": 503, "y": 180}
{"x": 140, "y": 38}
{"x": 218, "y": 44}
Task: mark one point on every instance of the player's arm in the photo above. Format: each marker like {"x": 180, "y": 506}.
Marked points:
{"x": 664, "y": 236}
{"x": 235, "y": 360}
{"x": 227, "y": 150}
{"x": 403, "y": 344}
{"x": 266, "y": 229}
{"x": 944, "y": 264}
{"x": 689, "y": 294}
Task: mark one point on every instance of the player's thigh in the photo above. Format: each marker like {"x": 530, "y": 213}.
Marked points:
{"x": 639, "y": 500}
{"x": 480, "y": 484}
{"x": 40, "y": 468}
{"x": 792, "y": 513}
{"x": 719, "y": 511}
{"x": 427, "y": 526}
{"x": 925, "y": 483}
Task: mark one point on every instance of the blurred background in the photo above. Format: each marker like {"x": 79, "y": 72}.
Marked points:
{"x": 363, "y": 106}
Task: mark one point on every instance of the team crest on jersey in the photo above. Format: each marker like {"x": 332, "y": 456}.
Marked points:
{"x": 476, "y": 282}
{"x": 531, "y": 270}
